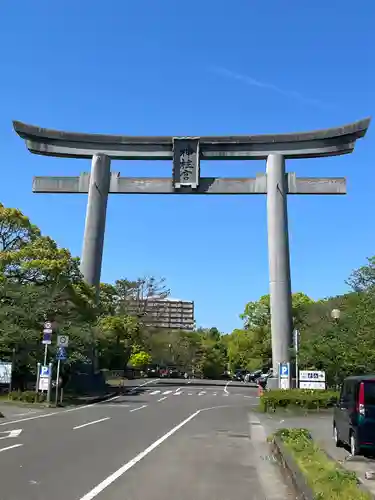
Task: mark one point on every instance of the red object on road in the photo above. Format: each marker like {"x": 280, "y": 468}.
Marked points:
{"x": 260, "y": 390}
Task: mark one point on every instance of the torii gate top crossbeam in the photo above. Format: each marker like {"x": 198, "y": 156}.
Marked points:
{"x": 325, "y": 142}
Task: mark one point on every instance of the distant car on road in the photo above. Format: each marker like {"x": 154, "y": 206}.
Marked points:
{"x": 354, "y": 414}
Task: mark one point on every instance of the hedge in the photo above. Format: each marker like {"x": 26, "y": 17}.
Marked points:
{"x": 298, "y": 398}
{"x": 326, "y": 479}
{"x": 27, "y": 396}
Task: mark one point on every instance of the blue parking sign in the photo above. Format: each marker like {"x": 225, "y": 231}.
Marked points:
{"x": 44, "y": 371}
{"x": 284, "y": 370}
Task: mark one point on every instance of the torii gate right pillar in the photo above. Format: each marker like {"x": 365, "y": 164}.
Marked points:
{"x": 279, "y": 263}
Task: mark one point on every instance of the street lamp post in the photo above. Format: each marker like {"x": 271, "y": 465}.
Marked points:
{"x": 335, "y": 314}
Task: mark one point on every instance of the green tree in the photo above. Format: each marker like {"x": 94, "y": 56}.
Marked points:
{"x": 140, "y": 359}
{"x": 16, "y": 229}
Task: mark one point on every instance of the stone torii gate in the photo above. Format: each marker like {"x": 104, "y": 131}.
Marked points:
{"x": 186, "y": 153}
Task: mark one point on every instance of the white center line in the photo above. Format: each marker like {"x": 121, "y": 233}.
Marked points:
{"x": 162, "y": 399}
{"x": 91, "y": 423}
{"x": 214, "y": 394}
{"x": 10, "y": 447}
{"x": 202, "y": 393}
{"x": 110, "y": 479}
{"x": 139, "y": 408}
{"x": 177, "y": 393}
{"x": 167, "y": 392}
{"x": 190, "y": 393}
{"x": 154, "y": 392}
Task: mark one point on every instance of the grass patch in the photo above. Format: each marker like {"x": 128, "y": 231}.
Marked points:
{"x": 326, "y": 478}
{"x": 304, "y": 399}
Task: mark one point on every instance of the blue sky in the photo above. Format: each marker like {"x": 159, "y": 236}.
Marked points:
{"x": 151, "y": 67}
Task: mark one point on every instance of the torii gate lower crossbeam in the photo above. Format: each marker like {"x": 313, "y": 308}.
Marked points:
{"x": 186, "y": 153}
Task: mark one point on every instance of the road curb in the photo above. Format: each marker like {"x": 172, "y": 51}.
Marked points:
{"x": 94, "y": 400}
{"x": 289, "y": 464}
{"x": 299, "y": 482}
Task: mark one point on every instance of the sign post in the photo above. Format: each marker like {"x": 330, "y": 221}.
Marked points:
{"x": 49, "y": 383}
{"x": 47, "y": 339}
{"x": 284, "y": 375}
{"x": 57, "y": 380}
{"x": 37, "y": 377}
{"x": 296, "y": 338}
{"x": 62, "y": 344}
{"x": 44, "y": 379}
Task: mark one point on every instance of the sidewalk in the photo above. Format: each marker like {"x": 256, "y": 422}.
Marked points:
{"x": 320, "y": 427}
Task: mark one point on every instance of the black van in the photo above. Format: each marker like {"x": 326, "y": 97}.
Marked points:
{"x": 354, "y": 414}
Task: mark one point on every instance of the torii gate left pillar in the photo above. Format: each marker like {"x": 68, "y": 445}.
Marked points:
{"x": 186, "y": 153}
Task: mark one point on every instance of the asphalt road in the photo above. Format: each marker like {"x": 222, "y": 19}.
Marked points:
{"x": 161, "y": 438}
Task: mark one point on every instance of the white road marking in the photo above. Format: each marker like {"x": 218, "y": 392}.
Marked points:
{"x": 31, "y": 418}
{"x": 226, "y": 394}
{"x": 178, "y": 389}
{"x": 142, "y": 385}
{"x": 167, "y": 392}
{"x": 24, "y": 414}
{"x": 250, "y": 397}
{"x": 214, "y": 394}
{"x": 226, "y": 387}
{"x": 201, "y": 393}
{"x": 190, "y": 393}
{"x": 162, "y": 399}
{"x": 154, "y": 392}
{"x": 90, "y": 423}
{"x": 110, "y": 479}
{"x": 44, "y": 415}
{"x": 11, "y": 434}
{"x": 139, "y": 408}
{"x": 10, "y": 447}
{"x": 177, "y": 393}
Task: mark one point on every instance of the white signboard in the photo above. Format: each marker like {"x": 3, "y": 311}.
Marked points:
{"x": 312, "y": 385}
{"x": 43, "y": 384}
{"x": 312, "y": 375}
{"x": 312, "y": 379}
{"x": 5, "y": 372}
{"x": 284, "y": 383}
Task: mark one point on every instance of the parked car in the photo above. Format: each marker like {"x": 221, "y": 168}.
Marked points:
{"x": 354, "y": 414}
{"x": 253, "y": 376}
{"x": 240, "y": 375}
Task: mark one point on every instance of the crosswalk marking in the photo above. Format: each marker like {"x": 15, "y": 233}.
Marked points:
{"x": 193, "y": 392}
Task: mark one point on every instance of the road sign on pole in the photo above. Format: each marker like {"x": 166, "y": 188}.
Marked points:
{"x": 44, "y": 377}
{"x": 61, "y": 354}
{"x": 48, "y": 325}
{"x": 47, "y": 337}
{"x": 284, "y": 376}
{"x": 62, "y": 340}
